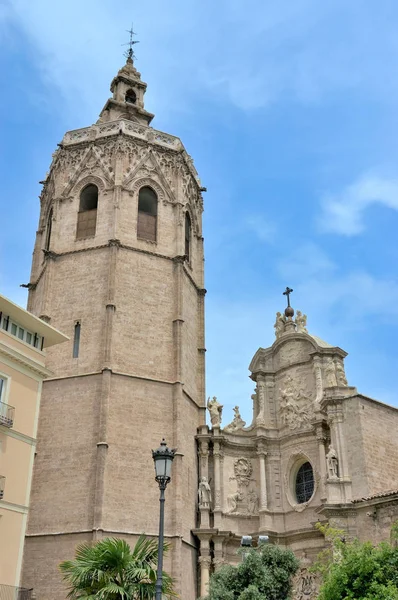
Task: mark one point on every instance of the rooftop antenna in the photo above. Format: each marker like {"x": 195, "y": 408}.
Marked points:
{"x": 129, "y": 54}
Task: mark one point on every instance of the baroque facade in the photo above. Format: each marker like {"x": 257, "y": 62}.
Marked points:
{"x": 118, "y": 267}
{"x": 316, "y": 450}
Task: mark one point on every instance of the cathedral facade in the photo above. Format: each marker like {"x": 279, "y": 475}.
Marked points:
{"x": 118, "y": 267}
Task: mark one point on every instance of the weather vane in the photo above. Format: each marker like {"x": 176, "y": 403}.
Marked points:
{"x": 129, "y": 54}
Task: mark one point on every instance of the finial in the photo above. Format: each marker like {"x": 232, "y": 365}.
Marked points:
{"x": 289, "y": 311}
{"x": 129, "y": 54}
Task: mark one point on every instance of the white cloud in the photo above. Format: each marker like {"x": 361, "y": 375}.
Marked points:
{"x": 301, "y": 51}
{"x": 263, "y": 228}
{"x": 343, "y": 212}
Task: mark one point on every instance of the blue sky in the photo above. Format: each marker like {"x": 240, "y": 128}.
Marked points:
{"x": 289, "y": 109}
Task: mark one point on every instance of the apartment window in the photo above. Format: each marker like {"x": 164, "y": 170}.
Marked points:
{"x": 76, "y": 340}
{"x": 147, "y": 214}
{"x": 87, "y": 215}
{"x": 33, "y": 339}
{"x": 2, "y": 389}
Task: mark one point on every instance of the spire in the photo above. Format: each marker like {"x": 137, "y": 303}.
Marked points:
{"x": 128, "y": 92}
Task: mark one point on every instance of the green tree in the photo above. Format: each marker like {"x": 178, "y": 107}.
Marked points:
{"x": 358, "y": 570}
{"x": 265, "y": 573}
{"x": 110, "y": 570}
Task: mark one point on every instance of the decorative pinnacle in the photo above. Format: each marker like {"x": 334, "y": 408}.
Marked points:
{"x": 289, "y": 311}
{"x": 129, "y": 54}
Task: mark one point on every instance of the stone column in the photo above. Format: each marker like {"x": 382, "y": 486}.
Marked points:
{"x": 204, "y": 564}
{"x": 263, "y": 480}
{"x": 318, "y": 378}
{"x": 260, "y": 420}
{"x": 218, "y": 552}
{"x": 217, "y": 482}
{"x": 335, "y": 420}
{"x": 321, "y": 439}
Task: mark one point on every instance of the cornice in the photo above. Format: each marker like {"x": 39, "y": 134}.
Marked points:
{"x": 26, "y": 362}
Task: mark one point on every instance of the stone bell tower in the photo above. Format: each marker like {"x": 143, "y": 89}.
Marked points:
{"x": 118, "y": 267}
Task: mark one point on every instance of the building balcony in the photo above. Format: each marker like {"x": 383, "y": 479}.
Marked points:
{"x": 6, "y": 415}
{"x": 2, "y": 484}
{"x": 9, "y": 592}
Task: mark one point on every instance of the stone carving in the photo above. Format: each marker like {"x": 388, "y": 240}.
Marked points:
{"x": 294, "y": 406}
{"x": 215, "y": 410}
{"x": 340, "y": 375}
{"x": 279, "y": 324}
{"x": 306, "y": 588}
{"x": 301, "y": 322}
{"x": 332, "y": 463}
{"x": 233, "y": 499}
{"x": 330, "y": 373}
{"x": 252, "y": 502}
{"x": 243, "y": 470}
{"x": 204, "y": 493}
{"x": 237, "y": 423}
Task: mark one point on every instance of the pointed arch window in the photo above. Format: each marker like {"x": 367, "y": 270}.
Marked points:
{"x": 87, "y": 216}
{"x": 48, "y": 230}
{"x": 147, "y": 214}
{"x": 188, "y": 235}
{"x": 131, "y": 97}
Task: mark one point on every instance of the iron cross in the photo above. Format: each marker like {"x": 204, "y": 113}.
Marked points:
{"x": 287, "y": 293}
{"x": 130, "y": 53}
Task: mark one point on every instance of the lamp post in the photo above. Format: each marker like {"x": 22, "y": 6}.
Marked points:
{"x": 163, "y": 458}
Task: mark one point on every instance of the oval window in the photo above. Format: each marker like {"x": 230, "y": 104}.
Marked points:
{"x": 304, "y": 483}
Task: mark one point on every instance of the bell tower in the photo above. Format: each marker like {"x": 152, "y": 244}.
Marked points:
{"x": 118, "y": 267}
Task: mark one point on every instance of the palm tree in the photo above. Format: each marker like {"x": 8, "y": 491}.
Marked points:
{"x": 110, "y": 570}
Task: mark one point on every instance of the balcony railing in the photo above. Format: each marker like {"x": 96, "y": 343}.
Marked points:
{"x": 2, "y": 484}
{"x": 6, "y": 415}
{"x": 9, "y": 592}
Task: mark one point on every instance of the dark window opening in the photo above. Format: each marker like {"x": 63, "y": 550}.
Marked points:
{"x": 76, "y": 340}
{"x": 48, "y": 230}
{"x": 304, "y": 483}
{"x": 147, "y": 214}
{"x": 187, "y": 236}
{"x": 87, "y": 216}
{"x": 131, "y": 97}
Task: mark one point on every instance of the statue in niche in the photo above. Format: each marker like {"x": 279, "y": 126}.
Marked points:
{"x": 340, "y": 375}
{"x": 204, "y": 493}
{"x": 330, "y": 373}
{"x": 233, "y": 499}
{"x": 279, "y": 324}
{"x": 252, "y": 502}
{"x": 301, "y": 322}
{"x": 237, "y": 423}
{"x": 332, "y": 463}
{"x": 215, "y": 410}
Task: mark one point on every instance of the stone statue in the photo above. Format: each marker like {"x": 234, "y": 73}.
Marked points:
{"x": 332, "y": 463}
{"x": 330, "y": 373}
{"x": 279, "y": 324}
{"x": 340, "y": 374}
{"x": 237, "y": 423}
{"x": 252, "y": 502}
{"x": 232, "y": 501}
{"x": 301, "y": 322}
{"x": 204, "y": 493}
{"x": 215, "y": 410}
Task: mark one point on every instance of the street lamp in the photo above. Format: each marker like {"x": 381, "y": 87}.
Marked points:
{"x": 163, "y": 458}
